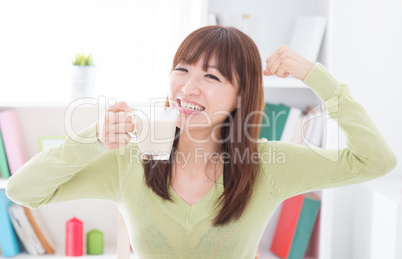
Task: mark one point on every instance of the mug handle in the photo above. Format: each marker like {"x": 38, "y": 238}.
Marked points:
{"x": 134, "y": 134}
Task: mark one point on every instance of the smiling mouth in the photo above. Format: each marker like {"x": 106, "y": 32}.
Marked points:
{"x": 189, "y": 106}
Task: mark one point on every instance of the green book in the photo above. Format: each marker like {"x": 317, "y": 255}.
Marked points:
{"x": 277, "y": 115}
{"x": 305, "y": 225}
{"x": 4, "y": 170}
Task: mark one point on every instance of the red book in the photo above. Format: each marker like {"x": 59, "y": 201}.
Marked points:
{"x": 286, "y": 226}
{"x": 294, "y": 228}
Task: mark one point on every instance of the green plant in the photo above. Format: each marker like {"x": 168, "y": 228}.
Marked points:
{"x": 82, "y": 60}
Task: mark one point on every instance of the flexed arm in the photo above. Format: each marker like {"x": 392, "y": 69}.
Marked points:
{"x": 366, "y": 157}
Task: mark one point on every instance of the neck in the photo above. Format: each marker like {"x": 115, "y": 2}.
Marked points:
{"x": 196, "y": 150}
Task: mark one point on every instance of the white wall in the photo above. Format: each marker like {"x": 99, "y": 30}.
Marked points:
{"x": 367, "y": 54}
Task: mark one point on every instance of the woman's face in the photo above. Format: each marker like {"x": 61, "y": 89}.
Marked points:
{"x": 204, "y": 98}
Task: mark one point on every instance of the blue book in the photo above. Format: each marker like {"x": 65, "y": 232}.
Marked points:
{"x": 273, "y": 121}
{"x": 8, "y": 239}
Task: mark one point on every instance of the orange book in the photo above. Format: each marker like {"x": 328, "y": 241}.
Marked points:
{"x": 39, "y": 231}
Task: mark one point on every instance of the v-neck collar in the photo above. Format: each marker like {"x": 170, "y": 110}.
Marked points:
{"x": 190, "y": 215}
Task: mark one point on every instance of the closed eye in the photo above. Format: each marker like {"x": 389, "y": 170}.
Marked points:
{"x": 212, "y": 77}
{"x": 181, "y": 69}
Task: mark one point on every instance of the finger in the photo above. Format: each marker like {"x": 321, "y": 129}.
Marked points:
{"x": 282, "y": 71}
{"x": 272, "y": 63}
{"x": 118, "y": 117}
{"x": 275, "y": 66}
{"x": 118, "y": 138}
{"x": 123, "y": 138}
{"x": 121, "y": 128}
{"x": 120, "y": 106}
{"x": 267, "y": 72}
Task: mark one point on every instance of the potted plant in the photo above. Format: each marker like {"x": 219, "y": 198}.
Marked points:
{"x": 83, "y": 76}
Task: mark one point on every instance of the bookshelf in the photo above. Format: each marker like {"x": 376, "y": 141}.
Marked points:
{"x": 93, "y": 213}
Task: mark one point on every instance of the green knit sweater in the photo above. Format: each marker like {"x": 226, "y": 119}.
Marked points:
{"x": 81, "y": 167}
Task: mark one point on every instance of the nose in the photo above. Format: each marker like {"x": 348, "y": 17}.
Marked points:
{"x": 191, "y": 87}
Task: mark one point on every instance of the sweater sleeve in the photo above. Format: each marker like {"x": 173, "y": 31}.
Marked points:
{"x": 80, "y": 167}
{"x": 294, "y": 169}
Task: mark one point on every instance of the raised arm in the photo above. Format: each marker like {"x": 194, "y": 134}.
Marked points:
{"x": 303, "y": 169}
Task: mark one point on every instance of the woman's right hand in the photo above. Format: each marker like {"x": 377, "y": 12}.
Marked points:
{"x": 112, "y": 130}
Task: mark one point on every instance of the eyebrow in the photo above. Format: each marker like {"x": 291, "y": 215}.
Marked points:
{"x": 211, "y": 66}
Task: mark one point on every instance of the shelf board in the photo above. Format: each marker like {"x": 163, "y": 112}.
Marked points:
{"x": 109, "y": 252}
{"x": 278, "y": 82}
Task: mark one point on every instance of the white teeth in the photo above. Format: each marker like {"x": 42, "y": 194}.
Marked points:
{"x": 191, "y": 107}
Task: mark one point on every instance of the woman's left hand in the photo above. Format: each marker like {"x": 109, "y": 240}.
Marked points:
{"x": 284, "y": 62}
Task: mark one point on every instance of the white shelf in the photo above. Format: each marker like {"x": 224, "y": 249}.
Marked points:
{"x": 108, "y": 252}
{"x": 289, "y": 82}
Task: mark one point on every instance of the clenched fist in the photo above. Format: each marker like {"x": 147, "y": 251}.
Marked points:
{"x": 284, "y": 62}
{"x": 112, "y": 130}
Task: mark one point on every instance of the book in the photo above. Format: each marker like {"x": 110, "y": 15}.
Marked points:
{"x": 291, "y": 124}
{"x": 5, "y": 172}
{"x": 297, "y": 137}
{"x": 13, "y": 140}
{"x": 308, "y": 33}
{"x": 273, "y": 121}
{"x": 24, "y": 230}
{"x": 8, "y": 238}
{"x": 313, "y": 128}
{"x": 40, "y": 230}
{"x": 295, "y": 225}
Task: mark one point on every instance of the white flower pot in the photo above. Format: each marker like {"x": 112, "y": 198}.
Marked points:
{"x": 82, "y": 81}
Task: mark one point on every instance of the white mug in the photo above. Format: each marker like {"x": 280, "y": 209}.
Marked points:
{"x": 154, "y": 130}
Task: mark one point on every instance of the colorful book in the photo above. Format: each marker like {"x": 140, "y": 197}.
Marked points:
{"x": 5, "y": 172}
{"x": 295, "y": 225}
{"x": 273, "y": 121}
{"x": 40, "y": 230}
{"x": 25, "y": 230}
{"x": 8, "y": 238}
{"x": 297, "y": 137}
{"x": 291, "y": 124}
{"x": 313, "y": 128}
{"x": 13, "y": 140}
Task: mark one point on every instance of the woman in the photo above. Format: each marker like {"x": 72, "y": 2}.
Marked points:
{"x": 218, "y": 207}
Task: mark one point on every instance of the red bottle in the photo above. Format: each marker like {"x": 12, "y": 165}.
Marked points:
{"x": 74, "y": 237}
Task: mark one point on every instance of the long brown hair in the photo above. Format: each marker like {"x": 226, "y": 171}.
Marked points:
{"x": 239, "y": 61}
